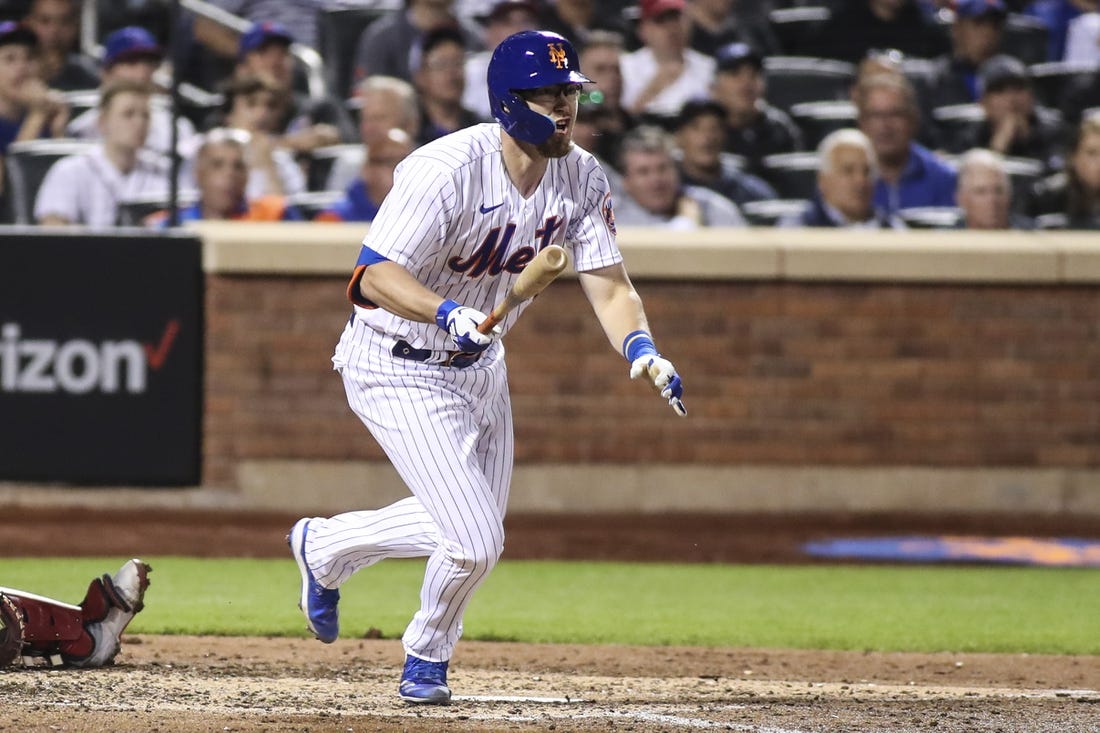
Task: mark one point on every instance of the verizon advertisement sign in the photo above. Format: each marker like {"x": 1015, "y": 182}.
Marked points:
{"x": 100, "y": 358}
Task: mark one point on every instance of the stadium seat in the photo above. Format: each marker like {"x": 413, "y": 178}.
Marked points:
{"x": 26, "y": 164}
{"x": 134, "y": 212}
{"x": 796, "y": 28}
{"x": 792, "y": 175}
{"x": 921, "y": 73}
{"x": 338, "y": 31}
{"x": 795, "y": 79}
{"x": 312, "y": 203}
{"x": 1026, "y": 38}
{"x": 80, "y": 101}
{"x": 1049, "y": 79}
{"x": 769, "y": 213}
{"x": 930, "y": 217}
{"x": 818, "y": 119}
{"x": 321, "y": 162}
{"x": 1051, "y": 221}
{"x": 954, "y": 122}
{"x": 1024, "y": 174}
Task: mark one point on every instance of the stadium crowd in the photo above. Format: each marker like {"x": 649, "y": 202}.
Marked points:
{"x": 836, "y": 113}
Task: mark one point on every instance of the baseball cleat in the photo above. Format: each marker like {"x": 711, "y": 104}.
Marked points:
{"x": 317, "y": 602}
{"x": 128, "y": 584}
{"x": 124, "y": 593}
{"x": 424, "y": 682}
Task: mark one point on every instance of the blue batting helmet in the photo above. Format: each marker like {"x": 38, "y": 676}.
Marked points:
{"x": 529, "y": 60}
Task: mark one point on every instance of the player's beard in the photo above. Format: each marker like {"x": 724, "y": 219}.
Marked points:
{"x": 557, "y": 146}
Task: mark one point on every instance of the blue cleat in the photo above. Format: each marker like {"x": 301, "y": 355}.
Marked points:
{"x": 424, "y": 682}
{"x": 317, "y": 603}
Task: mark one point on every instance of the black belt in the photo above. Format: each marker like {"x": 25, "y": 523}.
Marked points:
{"x": 458, "y": 359}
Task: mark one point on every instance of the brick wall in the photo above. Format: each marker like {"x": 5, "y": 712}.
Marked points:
{"x": 775, "y": 373}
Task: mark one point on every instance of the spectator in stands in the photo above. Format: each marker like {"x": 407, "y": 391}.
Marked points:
{"x": 1012, "y": 125}
{"x": 845, "y": 186}
{"x": 654, "y": 194}
{"x": 305, "y": 124}
{"x": 976, "y": 35}
{"x": 505, "y": 18}
{"x": 363, "y": 197}
{"x": 56, "y": 23}
{"x": 1083, "y": 39}
{"x": 590, "y": 133}
{"x": 254, "y": 104}
{"x": 385, "y": 103}
{"x": 985, "y": 193}
{"x": 889, "y": 62}
{"x": 601, "y": 59}
{"x": 701, "y": 136}
{"x": 221, "y": 175}
{"x": 133, "y": 53}
{"x": 716, "y": 23}
{"x": 1056, "y": 15}
{"x": 754, "y": 128}
{"x": 909, "y": 174}
{"x": 578, "y": 19}
{"x": 664, "y": 72}
{"x": 384, "y": 47}
{"x": 439, "y": 75}
{"x": 859, "y": 26}
{"x": 1075, "y": 192}
{"x": 28, "y": 108}
{"x": 87, "y": 188}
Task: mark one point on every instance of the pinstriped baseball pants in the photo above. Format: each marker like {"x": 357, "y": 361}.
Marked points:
{"x": 448, "y": 433}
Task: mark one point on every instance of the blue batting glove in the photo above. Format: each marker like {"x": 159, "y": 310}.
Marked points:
{"x": 662, "y": 375}
{"x": 462, "y": 322}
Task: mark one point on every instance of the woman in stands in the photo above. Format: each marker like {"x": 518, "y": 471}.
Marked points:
{"x": 1075, "y": 192}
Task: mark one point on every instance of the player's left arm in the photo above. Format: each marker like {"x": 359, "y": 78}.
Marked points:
{"x": 621, "y": 314}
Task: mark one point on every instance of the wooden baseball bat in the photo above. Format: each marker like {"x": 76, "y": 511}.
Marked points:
{"x": 539, "y": 273}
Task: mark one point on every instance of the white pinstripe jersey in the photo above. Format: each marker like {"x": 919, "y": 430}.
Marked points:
{"x": 458, "y": 224}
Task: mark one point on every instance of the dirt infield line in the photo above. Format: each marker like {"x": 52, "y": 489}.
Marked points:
{"x": 248, "y": 685}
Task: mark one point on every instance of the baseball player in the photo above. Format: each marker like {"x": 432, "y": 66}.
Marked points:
{"x": 467, "y": 212}
{"x": 39, "y": 631}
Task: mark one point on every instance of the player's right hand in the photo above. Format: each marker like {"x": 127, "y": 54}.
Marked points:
{"x": 462, "y": 322}
{"x": 662, "y": 375}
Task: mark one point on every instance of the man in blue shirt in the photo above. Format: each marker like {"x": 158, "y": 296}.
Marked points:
{"x": 845, "y": 185}
{"x": 364, "y": 195}
{"x": 910, "y": 175}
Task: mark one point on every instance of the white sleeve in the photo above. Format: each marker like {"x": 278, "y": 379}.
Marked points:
{"x": 290, "y": 174}
{"x": 59, "y": 193}
{"x": 718, "y": 211}
{"x": 634, "y": 81}
{"x": 593, "y": 233}
{"x": 411, "y": 224}
{"x": 84, "y": 126}
{"x": 1083, "y": 39}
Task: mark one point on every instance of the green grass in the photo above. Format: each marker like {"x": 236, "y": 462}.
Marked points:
{"x": 909, "y": 608}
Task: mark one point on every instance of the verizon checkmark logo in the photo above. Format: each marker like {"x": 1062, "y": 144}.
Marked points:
{"x": 156, "y": 356}
{"x": 80, "y": 366}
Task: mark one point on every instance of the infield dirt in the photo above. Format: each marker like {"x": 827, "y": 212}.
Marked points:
{"x": 177, "y": 683}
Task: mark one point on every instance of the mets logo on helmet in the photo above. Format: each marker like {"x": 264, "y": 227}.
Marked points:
{"x": 557, "y": 55}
